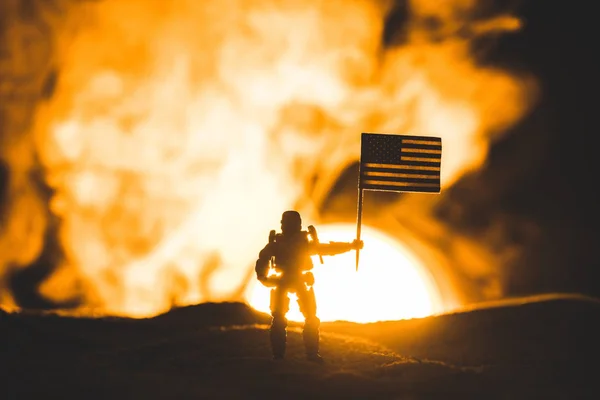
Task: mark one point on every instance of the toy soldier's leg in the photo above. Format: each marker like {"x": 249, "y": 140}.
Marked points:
{"x": 310, "y": 333}
{"x": 280, "y": 304}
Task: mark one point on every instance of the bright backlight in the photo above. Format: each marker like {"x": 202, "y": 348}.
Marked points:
{"x": 390, "y": 284}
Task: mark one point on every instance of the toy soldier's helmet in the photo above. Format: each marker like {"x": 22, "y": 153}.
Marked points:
{"x": 291, "y": 221}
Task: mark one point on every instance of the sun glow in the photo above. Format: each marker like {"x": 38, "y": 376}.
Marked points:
{"x": 390, "y": 283}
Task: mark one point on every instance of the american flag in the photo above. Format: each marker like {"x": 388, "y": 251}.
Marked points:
{"x": 400, "y": 163}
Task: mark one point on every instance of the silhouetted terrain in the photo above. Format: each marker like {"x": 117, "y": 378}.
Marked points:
{"x": 530, "y": 348}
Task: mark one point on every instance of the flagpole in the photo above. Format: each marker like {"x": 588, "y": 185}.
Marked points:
{"x": 358, "y": 221}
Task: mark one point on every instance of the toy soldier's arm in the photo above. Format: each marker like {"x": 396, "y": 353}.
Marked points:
{"x": 262, "y": 264}
{"x": 333, "y": 248}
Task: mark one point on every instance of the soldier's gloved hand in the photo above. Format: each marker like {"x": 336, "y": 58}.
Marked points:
{"x": 357, "y": 244}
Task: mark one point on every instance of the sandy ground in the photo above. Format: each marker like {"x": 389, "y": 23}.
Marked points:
{"x": 534, "y": 348}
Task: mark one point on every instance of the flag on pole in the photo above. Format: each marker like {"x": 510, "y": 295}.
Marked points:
{"x": 397, "y": 163}
{"x": 400, "y": 163}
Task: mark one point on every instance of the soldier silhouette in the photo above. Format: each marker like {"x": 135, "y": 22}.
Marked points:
{"x": 288, "y": 255}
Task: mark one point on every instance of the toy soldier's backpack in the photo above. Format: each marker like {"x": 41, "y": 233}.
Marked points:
{"x": 292, "y": 253}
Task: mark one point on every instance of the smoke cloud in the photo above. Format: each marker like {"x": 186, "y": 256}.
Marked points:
{"x": 171, "y": 133}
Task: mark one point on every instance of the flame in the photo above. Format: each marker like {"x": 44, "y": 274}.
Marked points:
{"x": 179, "y": 131}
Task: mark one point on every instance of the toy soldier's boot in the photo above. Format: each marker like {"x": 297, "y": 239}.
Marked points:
{"x": 278, "y": 336}
{"x": 310, "y": 333}
{"x": 280, "y": 304}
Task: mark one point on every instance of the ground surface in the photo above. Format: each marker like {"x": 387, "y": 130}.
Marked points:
{"x": 536, "y": 348}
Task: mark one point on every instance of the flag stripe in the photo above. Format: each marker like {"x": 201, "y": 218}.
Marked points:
{"x": 419, "y": 162}
{"x": 400, "y": 184}
{"x": 424, "y": 145}
{"x": 375, "y": 167}
{"x": 422, "y": 150}
{"x": 431, "y": 157}
{"x": 410, "y": 160}
{"x": 399, "y": 175}
{"x": 419, "y": 139}
{"x": 421, "y": 143}
{"x": 389, "y": 188}
{"x": 428, "y": 180}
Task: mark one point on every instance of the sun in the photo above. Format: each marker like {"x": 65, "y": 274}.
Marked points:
{"x": 390, "y": 284}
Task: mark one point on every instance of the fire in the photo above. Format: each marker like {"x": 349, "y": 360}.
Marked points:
{"x": 179, "y": 131}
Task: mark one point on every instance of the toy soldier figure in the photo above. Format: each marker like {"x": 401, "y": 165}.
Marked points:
{"x": 288, "y": 255}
